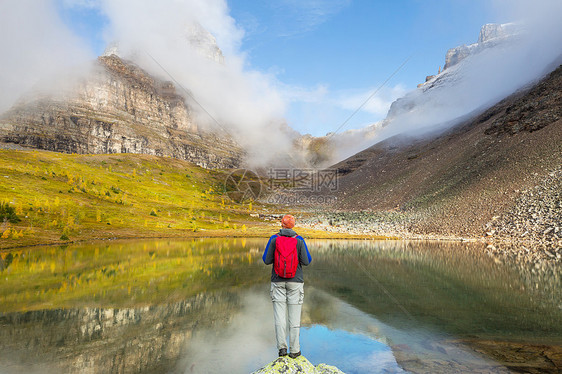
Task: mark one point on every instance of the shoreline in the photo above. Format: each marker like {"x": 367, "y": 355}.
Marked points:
{"x": 337, "y": 226}
{"x": 328, "y": 235}
{"x": 397, "y": 225}
{"x": 209, "y": 235}
{"x": 498, "y": 248}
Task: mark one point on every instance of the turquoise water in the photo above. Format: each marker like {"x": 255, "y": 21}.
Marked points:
{"x": 349, "y": 352}
{"x": 202, "y": 306}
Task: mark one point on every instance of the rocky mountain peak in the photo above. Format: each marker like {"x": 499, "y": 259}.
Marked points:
{"x": 495, "y": 30}
{"x": 203, "y": 42}
{"x": 490, "y": 35}
{"x": 195, "y": 35}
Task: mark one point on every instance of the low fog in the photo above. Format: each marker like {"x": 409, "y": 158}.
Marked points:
{"x": 172, "y": 40}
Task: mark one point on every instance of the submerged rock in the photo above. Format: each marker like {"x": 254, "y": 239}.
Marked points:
{"x": 299, "y": 365}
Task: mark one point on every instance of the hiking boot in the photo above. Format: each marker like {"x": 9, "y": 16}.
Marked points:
{"x": 282, "y": 352}
{"x": 295, "y": 355}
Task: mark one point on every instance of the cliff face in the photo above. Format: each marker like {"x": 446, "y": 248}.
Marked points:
{"x": 490, "y": 35}
{"x": 119, "y": 109}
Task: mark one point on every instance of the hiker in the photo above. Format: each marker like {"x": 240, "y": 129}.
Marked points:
{"x": 287, "y": 252}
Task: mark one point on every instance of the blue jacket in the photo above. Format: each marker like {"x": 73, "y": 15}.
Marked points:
{"x": 302, "y": 250}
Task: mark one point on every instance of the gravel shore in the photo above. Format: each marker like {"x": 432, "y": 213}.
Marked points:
{"x": 530, "y": 231}
{"x": 533, "y": 227}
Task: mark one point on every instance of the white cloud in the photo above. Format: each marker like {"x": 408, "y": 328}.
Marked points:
{"x": 35, "y": 46}
{"x": 376, "y": 105}
{"x": 244, "y": 101}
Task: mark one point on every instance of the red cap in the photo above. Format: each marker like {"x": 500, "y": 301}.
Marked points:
{"x": 288, "y": 221}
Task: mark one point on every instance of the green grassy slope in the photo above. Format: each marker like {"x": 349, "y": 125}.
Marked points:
{"x": 62, "y": 197}
{"x": 68, "y": 197}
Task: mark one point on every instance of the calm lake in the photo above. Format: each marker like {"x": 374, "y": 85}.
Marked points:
{"x": 202, "y": 306}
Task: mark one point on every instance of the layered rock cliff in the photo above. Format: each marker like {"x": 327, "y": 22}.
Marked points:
{"x": 118, "y": 108}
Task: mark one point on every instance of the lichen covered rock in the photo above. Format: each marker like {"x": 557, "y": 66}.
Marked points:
{"x": 286, "y": 365}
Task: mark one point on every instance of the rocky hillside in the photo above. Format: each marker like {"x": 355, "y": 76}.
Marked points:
{"x": 459, "y": 181}
{"x": 120, "y": 108}
{"x": 535, "y": 218}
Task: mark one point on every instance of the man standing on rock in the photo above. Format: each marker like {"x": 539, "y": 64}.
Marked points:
{"x": 287, "y": 252}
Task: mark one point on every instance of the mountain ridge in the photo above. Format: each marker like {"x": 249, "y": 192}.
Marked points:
{"x": 459, "y": 182}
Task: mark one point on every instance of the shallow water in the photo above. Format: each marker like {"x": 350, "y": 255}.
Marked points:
{"x": 202, "y": 306}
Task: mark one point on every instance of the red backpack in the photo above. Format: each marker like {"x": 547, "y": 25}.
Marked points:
{"x": 286, "y": 256}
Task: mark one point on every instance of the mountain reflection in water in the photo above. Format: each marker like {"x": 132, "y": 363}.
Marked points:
{"x": 202, "y": 306}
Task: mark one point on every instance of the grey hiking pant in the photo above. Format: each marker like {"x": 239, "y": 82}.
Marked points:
{"x": 287, "y": 296}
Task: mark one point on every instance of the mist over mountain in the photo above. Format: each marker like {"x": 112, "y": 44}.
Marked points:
{"x": 133, "y": 100}
{"x": 495, "y": 175}
{"x": 118, "y": 108}
{"x": 179, "y": 44}
{"x": 506, "y": 58}
{"x": 176, "y": 41}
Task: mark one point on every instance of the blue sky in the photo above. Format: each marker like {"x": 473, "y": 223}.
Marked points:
{"x": 360, "y": 42}
{"x": 328, "y": 56}
{"x": 351, "y": 47}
